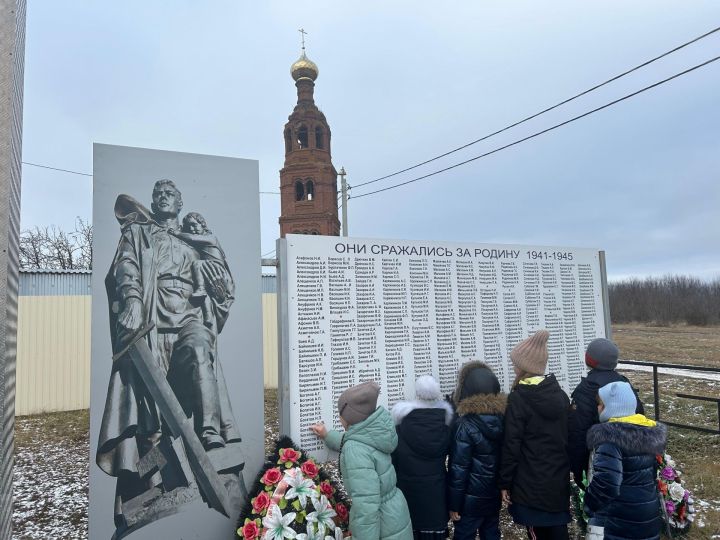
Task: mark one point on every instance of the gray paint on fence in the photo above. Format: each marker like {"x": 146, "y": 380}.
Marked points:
{"x": 269, "y": 284}
{"x": 77, "y": 283}
{"x": 58, "y": 283}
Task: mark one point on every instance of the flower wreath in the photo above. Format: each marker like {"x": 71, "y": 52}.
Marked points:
{"x": 294, "y": 498}
{"x": 678, "y": 509}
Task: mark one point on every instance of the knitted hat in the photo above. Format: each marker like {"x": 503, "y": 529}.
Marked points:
{"x": 427, "y": 388}
{"x": 479, "y": 380}
{"x": 619, "y": 400}
{"x": 358, "y": 402}
{"x": 531, "y": 354}
{"x": 602, "y": 354}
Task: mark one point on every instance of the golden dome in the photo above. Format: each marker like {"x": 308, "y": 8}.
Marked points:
{"x": 304, "y": 68}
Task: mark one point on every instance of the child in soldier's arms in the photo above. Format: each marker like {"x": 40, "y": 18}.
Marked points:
{"x": 211, "y": 267}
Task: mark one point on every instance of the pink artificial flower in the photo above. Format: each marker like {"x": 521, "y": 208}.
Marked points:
{"x": 250, "y": 530}
{"x": 261, "y": 502}
{"x": 289, "y": 455}
{"x": 309, "y": 469}
{"x": 326, "y": 489}
{"x": 342, "y": 512}
{"x": 670, "y": 507}
{"x": 271, "y": 477}
{"x": 668, "y": 473}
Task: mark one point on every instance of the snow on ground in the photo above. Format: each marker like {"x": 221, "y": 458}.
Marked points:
{"x": 51, "y": 476}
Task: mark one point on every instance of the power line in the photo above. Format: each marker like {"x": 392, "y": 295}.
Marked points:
{"x": 87, "y": 174}
{"x": 537, "y": 134}
{"x": 616, "y": 77}
{"x": 266, "y": 254}
{"x": 55, "y": 168}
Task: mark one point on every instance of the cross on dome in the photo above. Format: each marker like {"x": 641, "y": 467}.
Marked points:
{"x": 304, "y": 68}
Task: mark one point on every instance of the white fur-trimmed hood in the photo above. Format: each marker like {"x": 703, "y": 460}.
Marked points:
{"x": 402, "y": 408}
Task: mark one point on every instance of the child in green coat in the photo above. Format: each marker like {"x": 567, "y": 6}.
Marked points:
{"x": 379, "y": 510}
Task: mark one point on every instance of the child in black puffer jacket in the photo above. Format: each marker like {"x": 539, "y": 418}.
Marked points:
{"x": 602, "y": 358}
{"x": 423, "y": 429}
{"x": 473, "y": 495}
{"x": 535, "y": 469}
{"x": 622, "y": 498}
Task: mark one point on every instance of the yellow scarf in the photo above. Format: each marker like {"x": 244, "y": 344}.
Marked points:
{"x": 637, "y": 419}
{"x": 533, "y": 380}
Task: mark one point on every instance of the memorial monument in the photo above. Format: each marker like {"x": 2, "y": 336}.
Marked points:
{"x": 355, "y": 309}
{"x": 168, "y": 434}
{"x": 152, "y": 284}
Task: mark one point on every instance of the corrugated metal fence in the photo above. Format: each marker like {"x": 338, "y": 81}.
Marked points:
{"x": 12, "y": 66}
{"x": 53, "y": 360}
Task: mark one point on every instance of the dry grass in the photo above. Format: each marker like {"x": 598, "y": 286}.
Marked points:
{"x": 694, "y": 345}
{"x": 697, "y": 454}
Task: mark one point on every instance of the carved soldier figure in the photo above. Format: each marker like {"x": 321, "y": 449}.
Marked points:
{"x": 151, "y": 282}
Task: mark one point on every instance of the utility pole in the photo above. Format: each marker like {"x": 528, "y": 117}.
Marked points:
{"x": 344, "y": 188}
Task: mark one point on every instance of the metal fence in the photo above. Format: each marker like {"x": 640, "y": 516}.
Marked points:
{"x": 656, "y": 391}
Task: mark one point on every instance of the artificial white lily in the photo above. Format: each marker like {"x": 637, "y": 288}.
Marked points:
{"x": 312, "y": 533}
{"x": 323, "y": 514}
{"x": 277, "y": 525}
{"x": 338, "y": 535}
{"x": 300, "y": 487}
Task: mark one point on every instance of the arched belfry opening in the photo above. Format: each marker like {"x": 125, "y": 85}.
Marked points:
{"x": 302, "y": 137}
{"x": 288, "y": 140}
{"x": 299, "y": 190}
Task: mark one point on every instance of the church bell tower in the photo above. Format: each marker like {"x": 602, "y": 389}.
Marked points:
{"x": 308, "y": 181}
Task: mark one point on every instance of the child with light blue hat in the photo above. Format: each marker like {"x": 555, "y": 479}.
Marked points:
{"x": 622, "y": 498}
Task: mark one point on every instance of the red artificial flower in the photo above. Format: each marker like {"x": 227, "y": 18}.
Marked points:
{"x": 342, "y": 511}
{"x": 326, "y": 489}
{"x": 271, "y": 477}
{"x": 662, "y": 486}
{"x": 250, "y": 531}
{"x": 659, "y": 458}
{"x": 289, "y": 455}
{"x": 681, "y": 512}
{"x": 261, "y": 502}
{"x": 309, "y": 469}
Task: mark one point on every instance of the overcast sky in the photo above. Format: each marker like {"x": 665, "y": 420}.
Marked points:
{"x": 401, "y": 82}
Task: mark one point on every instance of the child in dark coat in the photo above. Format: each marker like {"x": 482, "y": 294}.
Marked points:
{"x": 602, "y": 358}
{"x": 473, "y": 494}
{"x": 622, "y": 498}
{"x": 535, "y": 470}
{"x": 423, "y": 428}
